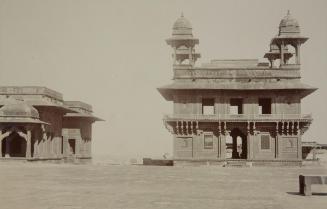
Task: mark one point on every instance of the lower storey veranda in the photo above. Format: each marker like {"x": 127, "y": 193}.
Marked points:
{"x": 194, "y": 140}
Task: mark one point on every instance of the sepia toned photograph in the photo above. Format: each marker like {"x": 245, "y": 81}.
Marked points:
{"x": 154, "y": 104}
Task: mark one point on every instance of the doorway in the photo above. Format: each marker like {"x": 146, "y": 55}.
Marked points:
{"x": 239, "y": 144}
{"x": 71, "y": 143}
{"x": 13, "y": 146}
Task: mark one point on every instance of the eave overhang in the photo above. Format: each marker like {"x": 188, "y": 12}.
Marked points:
{"x": 169, "y": 90}
{"x": 83, "y": 116}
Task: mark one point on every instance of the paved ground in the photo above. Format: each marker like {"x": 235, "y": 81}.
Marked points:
{"x": 62, "y": 186}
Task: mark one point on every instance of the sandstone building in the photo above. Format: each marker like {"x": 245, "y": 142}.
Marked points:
{"x": 37, "y": 124}
{"x": 237, "y": 110}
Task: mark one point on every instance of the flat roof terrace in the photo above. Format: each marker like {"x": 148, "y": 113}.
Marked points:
{"x": 30, "y": 90}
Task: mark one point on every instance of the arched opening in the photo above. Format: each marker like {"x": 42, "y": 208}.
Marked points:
{"x": 291, "y": 49}
{"x": 14, "y": 146}
{"x": 239, "y": 144}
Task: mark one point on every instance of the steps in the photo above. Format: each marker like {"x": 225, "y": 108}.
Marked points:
{"x": 236, "y": 163}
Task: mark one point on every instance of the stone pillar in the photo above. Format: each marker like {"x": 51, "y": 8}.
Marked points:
{"x": 234, "y": 152}
{"x": 299, "y": 143}
{"x": 174, "y": 56}
{"x": 47, "y": 153}
{"x": 78, "y": 142}
{"x": 56, "y": 146}
{"x": 276, "y": 141}
{"x": 1, "y": 144}
{"x": 222, "y": 146}
{"x": 90, "y": 148}
{"x": 7, "y": 148}
{"x": 2, "y": 136}
{"x": 28, "y": 144}
{"x": 36, "y": 149}
{"x": 297, "y": 51}
{"x": 282, "y": 61}
{"x": 314, "y": 153}
{"x": 190, "y": 56}
{"x": 41, "y": 148}
{"x": 65, "y": 146}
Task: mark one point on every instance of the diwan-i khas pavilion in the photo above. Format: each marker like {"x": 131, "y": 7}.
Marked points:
{"x": 37, "y": 124}
{"x": 237, "y": 111}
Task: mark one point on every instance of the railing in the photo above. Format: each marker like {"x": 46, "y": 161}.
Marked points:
{"x": 239, "y": 117}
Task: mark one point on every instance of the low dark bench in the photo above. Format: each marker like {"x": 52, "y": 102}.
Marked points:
{"x": 159, "y": 162}
{"x": 306, "y": 181}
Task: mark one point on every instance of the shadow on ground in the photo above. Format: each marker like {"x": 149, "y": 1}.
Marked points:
{"x": 313, "y": 193}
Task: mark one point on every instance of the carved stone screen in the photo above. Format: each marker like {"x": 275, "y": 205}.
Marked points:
{"x": 265, "y": 142}
{"x": 208, "y": 141}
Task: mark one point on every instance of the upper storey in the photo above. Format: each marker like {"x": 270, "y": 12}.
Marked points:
{"x": 281, "y": 73}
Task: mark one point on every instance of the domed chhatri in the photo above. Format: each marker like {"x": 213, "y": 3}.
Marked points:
{"x": 182, "y": 26}
{"x": 289, "y": 25}
{"x": 36, "y": 123}
{"x": 19, "y": 109}
{"x": 289, "y": 35}
{"x": 183, "y": 42}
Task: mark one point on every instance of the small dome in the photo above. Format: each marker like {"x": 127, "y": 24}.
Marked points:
{"x": 182, "y": 26}
{"x": 16, "y": 108}
{"x": 289, "y": 25}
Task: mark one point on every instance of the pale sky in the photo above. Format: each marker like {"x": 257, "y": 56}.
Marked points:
{"x": 113, "y": 55}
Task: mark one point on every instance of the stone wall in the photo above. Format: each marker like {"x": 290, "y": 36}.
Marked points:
{"x": 81, "y": 131}
{"x": 47, "y": 140}
{"x": 282, "y": 103}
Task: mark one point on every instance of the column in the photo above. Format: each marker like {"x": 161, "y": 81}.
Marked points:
{"x": 248, "y": 142}
{"x": 1, "y": 138}
{"x": 90, "y": 147}
{"x": 78, "y": 142}
{"x": 276, "y": 141}
{"x": 234, "y": 152}
{"x": 36, "y": 149}
{"x": 1, "y": 144}
{"x": 7, "y": 148}
{"x": 190, "y": 56}
{"x": 299, "y": 144}
{"x": 297, "y": 51}
{"x": 282, "y": 62}
{"x": 219, "y": 140}
{"x": 28, "y": 144}
{"x": 174, "y": 56}
{"x": 222, "y": 146}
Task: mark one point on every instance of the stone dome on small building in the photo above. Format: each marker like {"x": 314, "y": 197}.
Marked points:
{"x": 289, "y": 25}
{"x": 16, "y": 108}
{"x": 182, "y": 26}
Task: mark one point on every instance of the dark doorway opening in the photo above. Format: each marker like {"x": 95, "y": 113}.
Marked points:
{"x": 13, "y": 146}
{"x": 71, "y": 143}
{"x": 208, "y": 106}
{"x": 264, "y": 106}
{"x": 236, "y": 106}
{"x": 239, "y": 144}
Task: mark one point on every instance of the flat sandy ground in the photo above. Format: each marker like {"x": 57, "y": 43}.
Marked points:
{"x": 63, "y": 186}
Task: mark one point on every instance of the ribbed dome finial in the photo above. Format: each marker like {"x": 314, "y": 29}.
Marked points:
{"x": 289, "y": 25}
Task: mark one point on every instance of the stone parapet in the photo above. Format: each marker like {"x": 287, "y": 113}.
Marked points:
{"x": 30, "y": 90}
{"x": 239, "y": 117}
{"x": 237, "y": 73}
